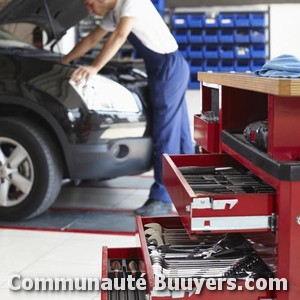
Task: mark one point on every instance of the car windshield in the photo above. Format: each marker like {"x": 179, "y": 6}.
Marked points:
{"x": 8, "y": 40}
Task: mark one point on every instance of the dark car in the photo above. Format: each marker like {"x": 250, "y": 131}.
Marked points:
{"x": 50, "y": 128}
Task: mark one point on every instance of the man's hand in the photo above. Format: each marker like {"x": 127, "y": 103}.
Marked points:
{"x": 83, "y": 74}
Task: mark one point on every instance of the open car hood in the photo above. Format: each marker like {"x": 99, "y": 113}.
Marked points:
{"x": 64, "y": 14}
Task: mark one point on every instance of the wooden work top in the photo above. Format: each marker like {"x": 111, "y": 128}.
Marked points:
{"x": 267, "y": 85}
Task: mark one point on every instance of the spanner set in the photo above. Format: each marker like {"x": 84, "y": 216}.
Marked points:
{"x": 173, "y": 255}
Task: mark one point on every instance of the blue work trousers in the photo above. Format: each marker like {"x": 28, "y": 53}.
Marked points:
{"x": 171, "y": 131}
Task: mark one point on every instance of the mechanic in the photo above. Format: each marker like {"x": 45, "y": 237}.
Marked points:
{"x": 168, "y": 76}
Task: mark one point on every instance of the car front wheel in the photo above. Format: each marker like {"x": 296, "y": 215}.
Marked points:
{"x": 30, "y": 169}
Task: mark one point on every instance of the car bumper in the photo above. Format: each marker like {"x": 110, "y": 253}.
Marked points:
{"x": 113, "y": 159}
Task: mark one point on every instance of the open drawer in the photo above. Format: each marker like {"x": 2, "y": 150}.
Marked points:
{"x": 118, "y": 264}
{"x": 214, "y": 193}
{"x": 206, "y": 134}
{"x": 172, "y": 255}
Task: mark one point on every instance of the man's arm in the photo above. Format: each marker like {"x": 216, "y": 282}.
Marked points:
{"x": 110, "y": 48}
{"x": 85, "y": 45}
{"x": 114, "y": 42}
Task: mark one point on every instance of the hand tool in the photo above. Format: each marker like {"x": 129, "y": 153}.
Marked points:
{"x": 190, "y": 268}
{"x": 230, "y": 244}
{"x": 133, "y": 268}
{"x": 168, "y": 238}
{"x": 216, "y": 256}
{"x": 116, "y": 267}
{"x": 196, "y": 170}
{"x": 161, "y": 229}
{"x": 250, "y": 265}
{"x": 226, "y": 181}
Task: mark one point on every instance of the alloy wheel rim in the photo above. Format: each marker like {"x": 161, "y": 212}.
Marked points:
{"x": 16, "y": 173}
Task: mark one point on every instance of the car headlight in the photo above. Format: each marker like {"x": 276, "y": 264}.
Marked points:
{"x": 103, "y": 94}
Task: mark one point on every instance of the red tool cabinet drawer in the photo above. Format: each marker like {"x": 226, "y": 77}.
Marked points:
{"x": 161, "y": 235}
{"x": 117, "y": 264}
{"x": 206, "y": 134}
{"x": 214, "y": 193}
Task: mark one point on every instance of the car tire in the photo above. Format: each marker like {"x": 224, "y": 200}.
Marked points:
{"x": 30, "y": 170}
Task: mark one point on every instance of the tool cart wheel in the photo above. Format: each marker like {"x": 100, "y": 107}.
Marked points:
{"x": 30, "y": 169}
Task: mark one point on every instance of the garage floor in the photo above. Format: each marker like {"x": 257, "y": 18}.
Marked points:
{"x": 95, "y": 214}
{"x": 93, "y": 207}
{"x": 49, "y": 252}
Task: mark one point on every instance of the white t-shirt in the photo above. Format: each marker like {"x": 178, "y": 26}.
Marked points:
{"x": 149, "y": 27}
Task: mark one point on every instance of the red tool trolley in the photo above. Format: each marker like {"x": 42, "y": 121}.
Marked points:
{"x": 237, "y": 201}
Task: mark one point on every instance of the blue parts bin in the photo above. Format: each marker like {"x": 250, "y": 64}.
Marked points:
{"x": 226, "y": 35}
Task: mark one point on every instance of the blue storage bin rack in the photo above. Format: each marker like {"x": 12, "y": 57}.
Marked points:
{"x": 227, "y": 65}
{"x": 210, "y": 22}
{"x": 211, "y": 51}
{"x": 179, "y": 21}
{"x": 212, "y": 65}
{"x": 226, "y": 20}
{"x": 258, "y": 35}
{"x": 194, "y": 83}
{"x": 195, "y": 20}
{"x": 258, "y": 51}
{"x": 226, "y": 51}
{"x": 228, "y": 42}
{"x": 195, "y": 36}
{"x": 196, "y": 65}
{"x": 256, "y": 64}
{"x": 258, "y": 20}
{"x": 181, "y": 35}
{"x": 195, "y": 51}
{"x": 210, "y": 36}
{"x": 242, "y": 51}
{"x": 183, "y": 48}
{"x": 242, "y": 20}
{"x": 242, "y": 35}
{"x": 226, "y": 35}
{"x": 242, "y": 65}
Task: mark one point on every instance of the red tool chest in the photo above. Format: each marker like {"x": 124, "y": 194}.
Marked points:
{"x": 232, "y": 189}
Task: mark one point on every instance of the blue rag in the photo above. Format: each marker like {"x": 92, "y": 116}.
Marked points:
{"x": 286, "y": 66}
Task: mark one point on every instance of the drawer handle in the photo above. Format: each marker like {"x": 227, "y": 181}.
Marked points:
{"x": 231, "y": 223}
{"x": 215, "y": 204}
